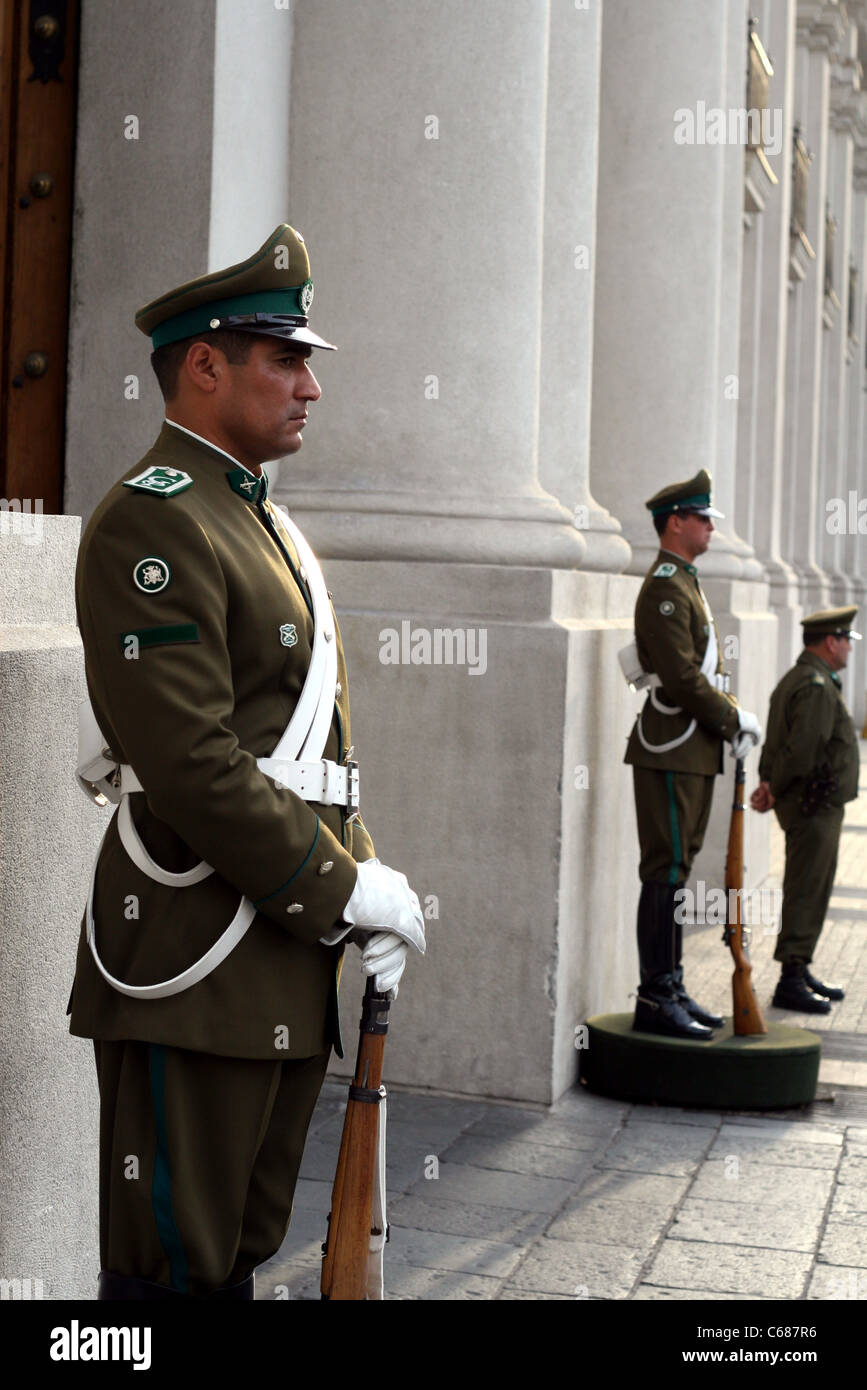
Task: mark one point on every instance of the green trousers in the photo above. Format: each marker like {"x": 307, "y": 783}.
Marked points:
{"x": 812, "y": 843}
{"x": 198, "y": 1159}
{"x": 672, "y": 810}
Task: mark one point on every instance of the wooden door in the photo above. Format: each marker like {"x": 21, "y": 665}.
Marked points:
{"x": 38, "y": 72}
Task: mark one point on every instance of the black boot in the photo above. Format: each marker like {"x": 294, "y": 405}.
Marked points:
{"x": 793, "y": 992}
{"x": 245, "y": 1290}
{"x": 658, "y": 1010}
{"x": 692, "y": 1008}
{"x": 826, "y": 991}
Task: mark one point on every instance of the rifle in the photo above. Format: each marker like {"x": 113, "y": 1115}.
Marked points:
{"x": 357, "y": 1232}
{"x": 746, "y": 1013}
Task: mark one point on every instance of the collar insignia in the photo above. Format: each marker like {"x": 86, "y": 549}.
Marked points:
{"x": 246, "y": 485}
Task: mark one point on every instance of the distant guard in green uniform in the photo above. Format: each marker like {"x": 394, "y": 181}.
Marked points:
{"x": 809, "y": 770}
{"x": 236, "y": 863}
{"x": 675, "y": 748}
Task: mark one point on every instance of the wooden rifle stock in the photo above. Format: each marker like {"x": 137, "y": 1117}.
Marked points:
{"x": 746, "y": 1013}
{"x": 346, "y": 1252}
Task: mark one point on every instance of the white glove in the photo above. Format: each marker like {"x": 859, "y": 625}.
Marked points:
{"x": 748, "y": 735}
{"x": 383, "y": 900}
{"x": 384, "y": 956}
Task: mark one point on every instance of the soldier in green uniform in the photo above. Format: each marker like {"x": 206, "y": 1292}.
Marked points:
{"x": 237, "y": 863}
{"x": 675, "y": 747}
{"x": 809, "y": 770}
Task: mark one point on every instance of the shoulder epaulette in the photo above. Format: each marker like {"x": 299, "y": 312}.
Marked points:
{"x": 165, "y": 482}
{"x": 664, "y": 571}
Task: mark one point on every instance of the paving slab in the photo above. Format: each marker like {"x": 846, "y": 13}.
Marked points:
{"x": 838, "y": 1283}
{"x": 761, "y": 1146}
{"x": 485, "y": 1187}
{"x": 607, "y": 1221}
{"x": 656, "y": 1149}
{"x": 518, "y": 1156}
{"x": 646, "y": 1293}
{"x": 434, "y": 1250}
{"x": 750, "y": 1223}
{"x": 729, "y": 1269}
{"x": 579, "y": 1269}
{"x": 405, "y": 1281}
{"x": 845, "y": 1240}
{"x": 651, "y": 1189}
{"x": 762, "y": 1184}
{"x": 549, "y": 1133}
{"x": 463, "y": 1218}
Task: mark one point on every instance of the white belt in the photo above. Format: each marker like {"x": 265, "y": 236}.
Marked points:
{"x": 325, "y": 782}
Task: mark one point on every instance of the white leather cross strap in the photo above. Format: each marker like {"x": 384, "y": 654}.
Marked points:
{"x": 314, "y": 778}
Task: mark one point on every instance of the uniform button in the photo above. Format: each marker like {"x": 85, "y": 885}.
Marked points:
{"x": 325, "y": 867}
{"x": 295, "y": 907}
{"x": 329, "y": 636}
{"x": 338, "y": 691}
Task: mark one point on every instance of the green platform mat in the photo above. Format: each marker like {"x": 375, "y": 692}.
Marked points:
{"x": 778, "y": 1068}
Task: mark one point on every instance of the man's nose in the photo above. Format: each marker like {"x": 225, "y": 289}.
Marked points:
{"x": 309, "y": 388}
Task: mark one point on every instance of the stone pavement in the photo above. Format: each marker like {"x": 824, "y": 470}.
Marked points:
{"x": 595, "y": 1199}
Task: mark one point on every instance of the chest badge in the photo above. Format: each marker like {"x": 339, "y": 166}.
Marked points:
{"x": 151, "y": 575}
{"x": 288, "y": 634}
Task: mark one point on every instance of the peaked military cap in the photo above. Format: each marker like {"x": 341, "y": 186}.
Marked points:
{"x": 830, "y": 622}
{"x": 271, "y": 292}
{"x": 691, "y": 496}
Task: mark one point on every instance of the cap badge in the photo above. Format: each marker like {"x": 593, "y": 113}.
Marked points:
{"x": 305, "y": 296}
{"x": 151, "y": 575}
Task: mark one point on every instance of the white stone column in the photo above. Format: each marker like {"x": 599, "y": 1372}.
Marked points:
{"x": 762, "y": 463}
{"x": 833, "y": 454}
{"x": 819, "y": 30}
{"x": 423, "y": 206}
{"x": 49, "y": 1115}
{"x": 668, "y": 262}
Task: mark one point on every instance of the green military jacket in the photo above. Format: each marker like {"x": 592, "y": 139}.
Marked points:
{"x": 808, "y": 725}
{"x": 223, "y": 649}
{"x": 672, "y": 631}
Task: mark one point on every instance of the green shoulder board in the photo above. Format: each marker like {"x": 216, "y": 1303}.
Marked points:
{"x": 165, "y": 482}
{"x": 664, "y": 571}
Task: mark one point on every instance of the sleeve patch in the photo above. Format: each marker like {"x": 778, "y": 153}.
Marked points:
{"x": 666, "y": 608}
{"x": 162, "y": 636}
{"x": 151, "y": 574}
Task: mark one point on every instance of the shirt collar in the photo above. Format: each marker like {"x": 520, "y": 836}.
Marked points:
{"x": 690, "y": 569}
{"x": 239, "y": 478}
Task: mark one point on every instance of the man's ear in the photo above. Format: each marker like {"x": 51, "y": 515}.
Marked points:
{"x": 202, "y": 367}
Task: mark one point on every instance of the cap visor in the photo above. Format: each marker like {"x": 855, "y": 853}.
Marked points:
{"x": 294, "y": 335}
{"x": 709, "y": 511}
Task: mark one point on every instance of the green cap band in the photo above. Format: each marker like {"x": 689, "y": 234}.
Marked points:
{"x": 198, "y": 320}
{"x": 682, "y": 503}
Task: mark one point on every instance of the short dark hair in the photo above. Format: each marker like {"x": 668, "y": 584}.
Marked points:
{"x": 660, "y": 521}
{"x": 166, "y": 361}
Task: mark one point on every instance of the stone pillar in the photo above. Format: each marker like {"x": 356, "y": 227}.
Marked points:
{"x": 834, "y": 452}
{"x": 49, "y": 1115}
{"x": 667, "y": 264}
{"x": 446, "y": 203}
{"x": 762, "y": 463}
{"x": 437, "y": 311}
{"x": 855, "y": 560}
{"x": 819, "y": 30}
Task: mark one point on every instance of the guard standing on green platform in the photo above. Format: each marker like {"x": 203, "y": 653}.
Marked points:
{"x": 809, "y": 770}
{"x": 675, "y": 748}
{"x": 237, "y": 863}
